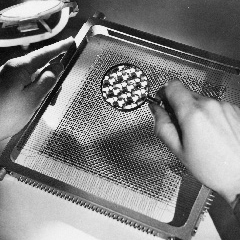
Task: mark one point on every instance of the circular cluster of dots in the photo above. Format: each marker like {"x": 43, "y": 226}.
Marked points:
{"x": 125, "y": 87}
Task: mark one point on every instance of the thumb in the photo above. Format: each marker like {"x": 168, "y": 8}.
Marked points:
{"x": 46, "y": 80}
{"x": 165, "y": 129}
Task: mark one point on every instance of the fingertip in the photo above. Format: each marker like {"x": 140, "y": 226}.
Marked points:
{"x": 57, "y": 68}
{"x": 161, "y": 93}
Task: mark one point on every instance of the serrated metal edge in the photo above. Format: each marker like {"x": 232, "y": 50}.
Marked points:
{"x": 80, "y": 202}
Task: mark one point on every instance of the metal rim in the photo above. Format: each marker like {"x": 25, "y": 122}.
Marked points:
{"x": 124, "y": 109}
{"x": 54, "y": 6}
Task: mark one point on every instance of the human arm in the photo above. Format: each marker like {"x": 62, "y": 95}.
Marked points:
{"x": 20, "y": 94}
{"x": 205, "y": 137}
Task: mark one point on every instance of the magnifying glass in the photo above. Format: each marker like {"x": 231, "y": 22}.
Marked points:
{"x": 125, "y": 87}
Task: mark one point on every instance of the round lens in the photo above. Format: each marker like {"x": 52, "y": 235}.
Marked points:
{"x": 29, "y": 9}
{"x": 125, "y": 87}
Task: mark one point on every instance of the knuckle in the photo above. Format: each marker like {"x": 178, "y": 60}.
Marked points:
{"x": 209, "y": 104}
{"x": 192, "y": 114}
{"x": 196, "y": 113}
{"x": 202, "y": 109}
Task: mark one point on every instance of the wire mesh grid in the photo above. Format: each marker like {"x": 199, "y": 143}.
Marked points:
{"x": 114, "y": 155}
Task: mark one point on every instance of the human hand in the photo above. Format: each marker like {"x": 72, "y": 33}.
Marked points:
{"x": 205, "y": 137}
{"x": 20, "y": 94}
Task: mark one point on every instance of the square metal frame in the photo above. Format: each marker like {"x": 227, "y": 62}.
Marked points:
{"x": 97, "y": 25}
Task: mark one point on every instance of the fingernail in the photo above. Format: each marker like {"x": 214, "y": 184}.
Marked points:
{"x": 57, "y": 68}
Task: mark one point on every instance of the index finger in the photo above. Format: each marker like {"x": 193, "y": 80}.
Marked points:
{"x": 39, "y": 58}
{"x": 180, "y": 99}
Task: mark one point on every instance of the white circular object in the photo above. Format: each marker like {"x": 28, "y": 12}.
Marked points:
{"x": 30, "y": 10}
{"x": 26, "y": 17}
